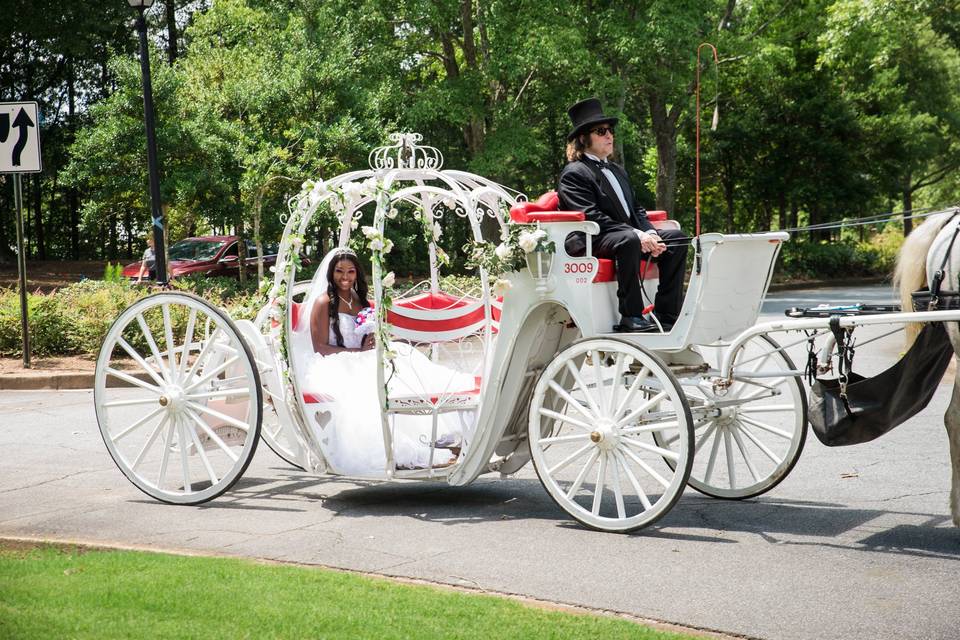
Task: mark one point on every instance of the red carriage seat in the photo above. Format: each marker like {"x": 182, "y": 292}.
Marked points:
{"x": 544, "y": 209}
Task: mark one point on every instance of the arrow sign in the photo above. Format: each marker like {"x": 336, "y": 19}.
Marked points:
{"x": 22, "y": 122}
{"x": 19, "y": 138}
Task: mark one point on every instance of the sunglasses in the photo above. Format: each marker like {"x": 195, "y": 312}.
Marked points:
{"x": 602, "y": 131}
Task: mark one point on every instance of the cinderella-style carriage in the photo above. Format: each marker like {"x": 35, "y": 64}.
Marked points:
{"x": 616, "y": 425}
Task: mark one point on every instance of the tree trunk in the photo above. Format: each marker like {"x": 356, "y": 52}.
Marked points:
{"x": 665, "y": 136}
{"x": 782, "y": 211}
{"x": 112, "y": 221}
{"x": 794, "y": 214}
{"x": 128, "y": 231}
{"x": 72, "y": 199}
{"x": 728, "y": 197}
{"x": 38, "y": 216}
{"x": 172, "y": 33}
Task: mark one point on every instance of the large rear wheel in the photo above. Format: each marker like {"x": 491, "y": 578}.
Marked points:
{"x": 178, "y": 398}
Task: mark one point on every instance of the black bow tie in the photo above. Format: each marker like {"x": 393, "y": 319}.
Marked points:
{"x": 600, "y": 163}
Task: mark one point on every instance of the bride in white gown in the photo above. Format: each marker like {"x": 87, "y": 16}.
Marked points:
{"x": 342, "y": 370}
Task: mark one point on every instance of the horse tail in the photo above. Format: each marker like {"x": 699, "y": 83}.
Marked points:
{"x": 910, "y": 273}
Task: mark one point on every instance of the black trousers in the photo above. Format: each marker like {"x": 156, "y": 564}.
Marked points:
{"x": 624, "y": 248}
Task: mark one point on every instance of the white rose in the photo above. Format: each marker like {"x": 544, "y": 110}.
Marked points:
{"x": 527, "y": 241}
{"x": 319, "y": 185}
{"x": 387, "y": 246}
{"x": 370, "y": 232}
{"x": 369, "y": 185}
{"x": 313, "y": 198}
{"x": 539, "y": 234}
{"x": 437, "y": 231}
{"x": 297, "y": 243}
{"x": 389, "y": 279}
{"x": 501, "y": 286}
{"x": 450, "y": 203}
{"x": 503, "y": 251}
{"x": 354, "y": 224}
{"x": 376, "y": 244}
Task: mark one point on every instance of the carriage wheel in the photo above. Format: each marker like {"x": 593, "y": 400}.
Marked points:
{"x": 750, "y": 444}
{"x": 179, "y": 408}
{"x": 591, "y": 418}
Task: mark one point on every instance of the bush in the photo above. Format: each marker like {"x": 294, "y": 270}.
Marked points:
{"x": 815, "y": 260}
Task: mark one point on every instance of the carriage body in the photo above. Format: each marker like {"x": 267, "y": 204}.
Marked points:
{"x": 549, "y": 372}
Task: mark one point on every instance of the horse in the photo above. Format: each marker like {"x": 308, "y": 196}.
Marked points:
{"x": 922, "y": 254}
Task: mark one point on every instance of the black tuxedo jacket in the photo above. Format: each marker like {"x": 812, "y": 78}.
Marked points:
{"x": 583, "y": 187}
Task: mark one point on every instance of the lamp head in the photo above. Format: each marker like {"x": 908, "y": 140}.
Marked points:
{"x": 140, "y": 4}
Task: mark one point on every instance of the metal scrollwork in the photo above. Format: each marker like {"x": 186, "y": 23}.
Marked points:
{"x": 405, "y": 153}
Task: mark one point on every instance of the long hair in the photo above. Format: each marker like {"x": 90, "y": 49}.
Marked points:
{"x": 359, "y": 285}
{"x": 578, "y": 146}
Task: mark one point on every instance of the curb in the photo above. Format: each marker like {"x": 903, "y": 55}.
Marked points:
{"x": 57, "y": 381}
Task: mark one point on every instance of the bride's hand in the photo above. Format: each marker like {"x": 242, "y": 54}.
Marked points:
{"x": 367, "y": 342}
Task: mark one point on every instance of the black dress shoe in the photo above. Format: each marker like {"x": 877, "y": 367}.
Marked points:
{"x": 633, "y": 324}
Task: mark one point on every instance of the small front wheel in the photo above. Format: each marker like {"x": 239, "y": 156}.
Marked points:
{"x": 178, "y": 398}
{"x": 593, "y": 414}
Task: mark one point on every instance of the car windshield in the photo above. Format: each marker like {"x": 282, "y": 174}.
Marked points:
{"x": 195, "y": 249}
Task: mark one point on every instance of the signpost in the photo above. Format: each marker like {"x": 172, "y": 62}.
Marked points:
{"x": 20, "y": 153}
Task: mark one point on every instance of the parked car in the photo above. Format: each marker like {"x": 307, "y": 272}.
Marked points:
{"x": 209, "y": 255}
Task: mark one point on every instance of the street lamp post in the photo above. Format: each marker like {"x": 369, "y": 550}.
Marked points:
{"x": 153, "y": 166}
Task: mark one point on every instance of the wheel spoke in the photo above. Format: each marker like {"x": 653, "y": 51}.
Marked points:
{"x": 617, "y": 491}
{"x": 153, "y": 347}
{"x": 165, "y": 460}
{"x": 576, "y": 437}
{"x": 658, "y": 426}
{"x": 200, "y": 452}
{"x": 187, "y": 341}
{"x": 646, "y": 467}
{"x": 136, "y": 425}
{"x": 139, "y": 360}
{"x": 571, "y": 401}
{"x": 641, "y": 375}
{"x": 713, "y": 455}
{"x": 148, "y": 443}
{"x": 598, "y": 487}
{"x": 184, "y": 458}
{"x": 728, "y": 454}
{"x": 200, "y": 422}
{"x": 767, "y": 408}
{"x": 746, "y": 456}
{"x": 171, "y": 346}
{"x": 204, "y": 353}
{"x": 660, "y": 451}
{"x": 217, "y": 370}
{"x": 641, "y": 409}
{"x": 583, "y": 386}
{"x": 573, "y": 456}
{"x": 644, "y": 500}
{"x": 241, "y": 392}
{"x": 131, "y": 380}
{"x": 578, "y": 482}
{"x": 766, "y": 427}
{"x": 129, "y": 403}
{"x": 617, "y": 377}
{"x": 201, "y": 408}
{"x": 766, "y": 450}
{"x": 565, "y": 418}
{"x": 766, "y": 387}
{"x": 704, "y": 437}
{"x": 602, "y": 397}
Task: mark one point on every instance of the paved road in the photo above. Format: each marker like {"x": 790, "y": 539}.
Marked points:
{"x": 856, "y": 543}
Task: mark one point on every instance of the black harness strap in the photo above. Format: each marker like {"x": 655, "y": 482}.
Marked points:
{"x": 940, "y": 273}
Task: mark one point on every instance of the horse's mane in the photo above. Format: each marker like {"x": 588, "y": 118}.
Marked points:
{"x": 910, "y": 272}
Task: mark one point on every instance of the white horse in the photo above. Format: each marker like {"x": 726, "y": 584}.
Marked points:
{"x": 920, "y": 257}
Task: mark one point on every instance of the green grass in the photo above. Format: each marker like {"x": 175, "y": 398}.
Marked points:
{"x": 51, "y": 592}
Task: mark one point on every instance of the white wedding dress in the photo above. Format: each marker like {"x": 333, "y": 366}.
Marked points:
{"x": 347, "y": 421}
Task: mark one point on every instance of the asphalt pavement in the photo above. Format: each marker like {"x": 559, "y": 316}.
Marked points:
{"x": 855, "y": 544}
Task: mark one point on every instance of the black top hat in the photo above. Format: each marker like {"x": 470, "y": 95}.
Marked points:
{"x": 585, "y": 114}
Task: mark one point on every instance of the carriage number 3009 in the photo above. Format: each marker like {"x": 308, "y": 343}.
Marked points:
{"x": 578, "y": 267}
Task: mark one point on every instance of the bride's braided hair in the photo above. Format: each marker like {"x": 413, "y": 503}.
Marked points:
{"x": 359, "y": 285}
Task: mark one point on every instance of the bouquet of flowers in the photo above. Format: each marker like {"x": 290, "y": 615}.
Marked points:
{"x": 366, "y": 321}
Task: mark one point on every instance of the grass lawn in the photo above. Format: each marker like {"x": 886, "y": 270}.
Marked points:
{"x": 50, "y": 592}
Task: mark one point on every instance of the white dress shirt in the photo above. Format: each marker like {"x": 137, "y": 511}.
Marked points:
{"x": 612, "y": 179}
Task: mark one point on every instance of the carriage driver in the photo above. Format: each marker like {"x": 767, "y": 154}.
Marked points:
{"x": 601, "y": 190}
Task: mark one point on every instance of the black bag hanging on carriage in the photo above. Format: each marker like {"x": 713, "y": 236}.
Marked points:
{"x": 874, "y": 406}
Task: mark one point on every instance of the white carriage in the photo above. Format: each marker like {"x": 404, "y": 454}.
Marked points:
{"x": 616, "y": 425}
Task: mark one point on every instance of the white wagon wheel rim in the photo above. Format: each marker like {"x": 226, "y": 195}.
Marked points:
{"x": 186, "y": 426}
{"x": 757, "y": 438}
{"x": 590, "y": 443}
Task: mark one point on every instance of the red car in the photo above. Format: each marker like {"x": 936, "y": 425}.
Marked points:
{"x": 209, "y": 255}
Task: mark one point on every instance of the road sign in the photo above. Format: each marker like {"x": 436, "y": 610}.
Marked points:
{"x": 19, "y": 138}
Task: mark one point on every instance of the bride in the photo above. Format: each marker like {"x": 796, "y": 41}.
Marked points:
{"x": 343, "y": 369}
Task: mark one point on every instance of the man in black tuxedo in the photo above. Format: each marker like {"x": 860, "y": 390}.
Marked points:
{"x": 601, "y": 190}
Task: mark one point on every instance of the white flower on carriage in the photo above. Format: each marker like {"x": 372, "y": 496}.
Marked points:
{"x": 369, "y": 186}
{"x": 437, "y": 231}
{"x": 376, "y": 244}
{"x": 387, "y": 246}
{"x": 442, "y": 257}
{"x": 318, "y": 185}
{"x": 296, "y": 243}
{"x": 370, "y": 232}
{"x": 450, "y": 203}
{"x": 501, "y": 286}
{"x": 389, "y": 279}
{"x": 307, "y": 185}
{"x": 352, "y": 191}
{"x": 313, "y": 198}
{"x": 354, "y": 223}
{"x": 529, "y": 240}
{"x": 503, "y": 251}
